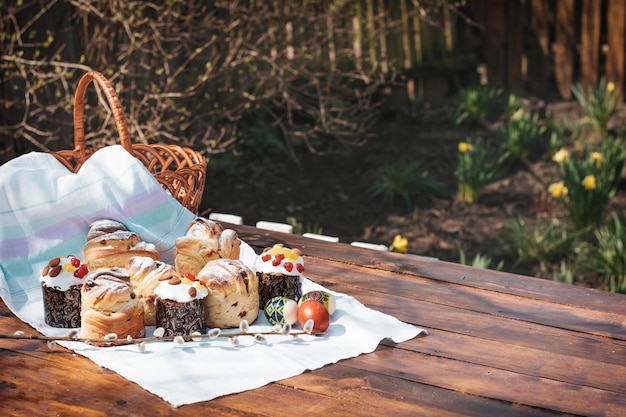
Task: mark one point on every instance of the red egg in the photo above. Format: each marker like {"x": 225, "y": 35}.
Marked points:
{"x": 315, "y": 311}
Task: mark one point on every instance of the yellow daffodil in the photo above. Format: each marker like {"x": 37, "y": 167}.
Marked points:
{"x": 561, "y": 156}
{"x": 610, "y": 86}
{"x": 399, "y": 244}
{"x": 589, "y": 182}
{"x": 557, "y": 189}
{"x": 596, "y": 158}
{"x": 464, "y": 147}
{"x": 518, "y": 114}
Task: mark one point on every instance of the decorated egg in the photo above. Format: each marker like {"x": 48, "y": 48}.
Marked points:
{"x": 281, "y": 310}
{"x": 323, "y": 297}
{"x": 315, "y": 311}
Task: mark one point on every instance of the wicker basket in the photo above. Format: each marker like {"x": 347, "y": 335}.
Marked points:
{"x": 181, "y": 171}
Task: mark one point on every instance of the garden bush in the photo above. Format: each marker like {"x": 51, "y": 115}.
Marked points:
{"x": 197, "y": 74}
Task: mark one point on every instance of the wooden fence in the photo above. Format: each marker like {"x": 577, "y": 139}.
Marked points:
{"x": 538, "y": 45}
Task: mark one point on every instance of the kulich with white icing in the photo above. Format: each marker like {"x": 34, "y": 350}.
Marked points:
{"x": 280, "y": 260}
{"x": 180, "y": 305}
{"x": 64, "y": 272}
{"x": 279, "y": 271}
{"x": 180, "y": 288}
{"x": 61, "y": 281}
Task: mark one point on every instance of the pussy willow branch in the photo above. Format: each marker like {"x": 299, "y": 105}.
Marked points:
{"x": 130, "y": 341}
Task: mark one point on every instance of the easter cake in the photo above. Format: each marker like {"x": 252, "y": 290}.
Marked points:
{"x": 279, "y": 270}
{"x": 233, "y": 293}
{"x": 180, "y": 306}
{"x": 109, "y": 305}
{"x": 204, "y": 241}
{"x": 61, "y": 280}
{"x": 110, "y": 244}
{"x": 145, "y": 274}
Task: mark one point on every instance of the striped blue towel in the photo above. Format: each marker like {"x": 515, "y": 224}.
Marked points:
{"x": 45, "y": 211}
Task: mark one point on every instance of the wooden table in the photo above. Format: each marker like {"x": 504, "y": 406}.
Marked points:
{"x": 498, "y": 345}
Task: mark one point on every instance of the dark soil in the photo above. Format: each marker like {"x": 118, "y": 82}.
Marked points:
{"x": 330, "y": 192}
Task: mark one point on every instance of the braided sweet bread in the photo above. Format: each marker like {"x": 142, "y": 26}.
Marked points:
{"x": 109, "y": 244}
{"x": 233, "y": 293}
{"x": 204, "y": 241}
{"x": 109, "y": 305}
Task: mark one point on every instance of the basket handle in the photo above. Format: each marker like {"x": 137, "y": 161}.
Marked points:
{"x": 114, "y": 104}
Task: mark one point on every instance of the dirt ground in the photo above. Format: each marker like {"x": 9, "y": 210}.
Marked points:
{"x": 330, "y": 192}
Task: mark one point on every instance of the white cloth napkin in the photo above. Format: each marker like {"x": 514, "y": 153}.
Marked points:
{"x": 45, "y": 211}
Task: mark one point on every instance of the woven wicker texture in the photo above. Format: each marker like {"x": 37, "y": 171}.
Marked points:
{"x": 179, "y": 170}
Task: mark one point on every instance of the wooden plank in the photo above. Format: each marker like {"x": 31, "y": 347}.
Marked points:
{"x": 501, "y": 282}
{"x": 371, "y": 35}
{"x": 382, "y": 37}
{"x": 100, "y": 394}
{"x": 495, "y": 38}
{"x": 435, "y": 311}
{"x": 536, "y": 288}
{"x": 564, "y": 47}
{"x": 542, "y": 312}
{"x": 515, "y": 45}
{"x": 332, "y": 47}
{"x": 500, "y": 329}
{"x": 527, "y": 360}
{"x": 416, "y": 87}
{"x": 417, "y": 34}
{"x": 539, "y": 45}
{"x": 84, "y": 384}
{"x": 615, "y": 59}
{"x": 284, "y": 400}
{"x": 407, "y": 61}
{"x": 496, "y": 383}
{"x": 590, "y": 43}
{"x": 357, "y": 36}
{"x": 425, "y": 400}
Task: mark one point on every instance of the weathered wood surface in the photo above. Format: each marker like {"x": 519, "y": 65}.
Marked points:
{"x": 498, "y": 344}
{"x": 590, "y": 43}
{"x": 538, "y": 55}
{"x": 616, "y": 41}
{"x": 564, "y": 47}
